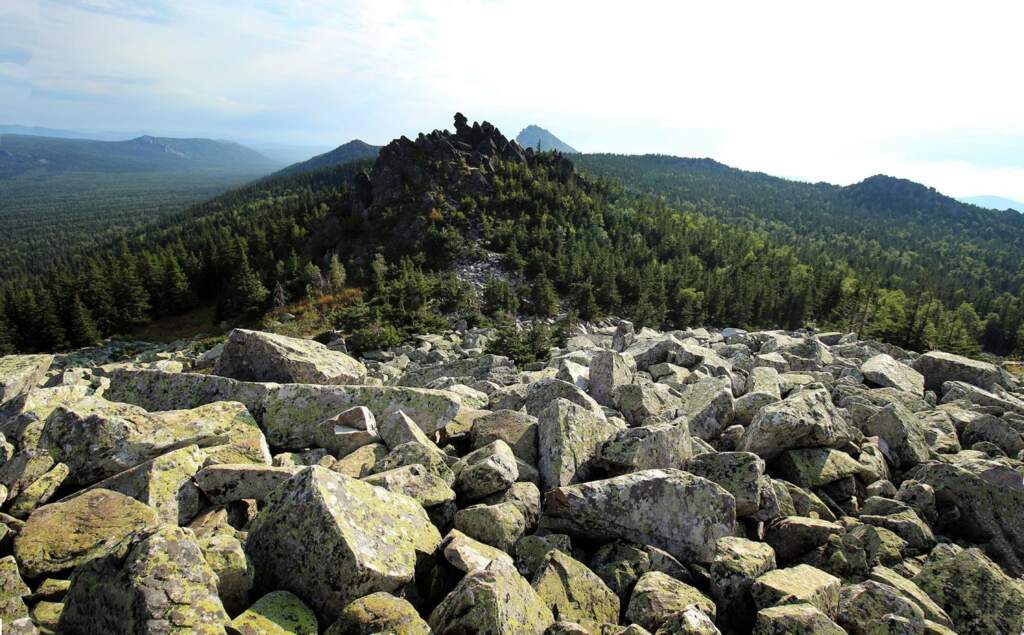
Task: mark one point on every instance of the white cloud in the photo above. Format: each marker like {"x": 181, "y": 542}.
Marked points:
{"x": 820, "y": 91}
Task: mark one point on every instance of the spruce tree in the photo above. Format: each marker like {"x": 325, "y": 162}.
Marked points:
{"x": 177, "y": 290}
{"x": 51, "y": 333}
{"x": 544, "y": 298}
{"x": 131, "y": 297}
{"x": 81, "y": 327}
{"x": 245, "y": 293}
{"x": 6, "y": 336}
{"x": 280, "y": 298}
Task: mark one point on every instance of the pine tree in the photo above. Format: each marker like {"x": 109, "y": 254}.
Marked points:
{"x": 314, "y": 281}
{"x": 336, "y": 274}
{"x": 94, "y": 286}
{"x": 81, "y": 328}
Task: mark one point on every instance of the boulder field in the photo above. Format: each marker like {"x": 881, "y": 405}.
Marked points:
{"x": 636, "y": 482}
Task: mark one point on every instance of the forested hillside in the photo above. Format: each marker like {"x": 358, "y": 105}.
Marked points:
{"x": 61, "y": 197}
{"x": 354, "y": 150}
{"x": 713, "y": 246}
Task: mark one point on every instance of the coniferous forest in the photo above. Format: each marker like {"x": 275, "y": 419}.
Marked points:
{"x": 665, "y": 241}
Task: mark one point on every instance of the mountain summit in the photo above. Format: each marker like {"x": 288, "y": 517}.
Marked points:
{"x": 540, "y": 139}
{"x": 355, "y": 150}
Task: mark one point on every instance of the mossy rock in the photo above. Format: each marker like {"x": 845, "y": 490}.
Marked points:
{"x": 379, "y": 613}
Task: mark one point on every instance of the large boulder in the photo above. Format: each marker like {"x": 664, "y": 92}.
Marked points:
{"x": 331, "y": 539}
{"x": 738, "y": 562}
{"x": 98, "y": 438}
{"x": 642, "y": 400}
{"x": 495, "y": 600}
{"x": 573, "y": 592}
{"x": 62, "y": 536}
{"x": 608, "y": 371}
{"x": 161, "y": 585}
{"x": 517, "y": 429}
{"x": 673, "y": 510}
{"x": 21, "y": 373}
{"x": 938, "y": 368}
{"x": 258, "y": 356}
{"x": 656, "y": 597}
{"x": 902, "y": 433}
{"x": 379, "y": 613}
{"x": 226, "y": 482}
{"x": 707, "y": 407}
{"x": 987, "y": 504}
{"x": 884, "y": 371}
{"x": 795, "y": 619}
{"x": 808, "y": 419}
{"x": 740, "y": 473}
{"x": 569, "y": 442}
{"x": 976, "y": 594}
{"x": 665, "y": 445}
{"x": 276, "y": 613}
{"x": 164, "y": 483}
{"x": 802, "y": 583}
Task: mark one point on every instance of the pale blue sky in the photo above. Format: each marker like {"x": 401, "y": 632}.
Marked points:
{"x": 930, "y": 91}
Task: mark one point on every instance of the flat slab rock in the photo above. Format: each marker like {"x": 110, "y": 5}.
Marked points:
{"x": 21, "y": 373}
{"x": 670, "y": 509}
{"x": 258, "y": 356}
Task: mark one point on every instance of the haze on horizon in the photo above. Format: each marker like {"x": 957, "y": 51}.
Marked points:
{"x": 928, "y": 91}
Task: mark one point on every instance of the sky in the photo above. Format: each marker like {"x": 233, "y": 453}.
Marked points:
{"x": 817, "y": 91}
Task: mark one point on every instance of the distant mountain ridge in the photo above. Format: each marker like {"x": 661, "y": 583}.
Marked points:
{"x": 994, "y": 202}
{"x": 540, "y": 139}
{"x": 23, "y": 153}
{"x": 355, "y": 150}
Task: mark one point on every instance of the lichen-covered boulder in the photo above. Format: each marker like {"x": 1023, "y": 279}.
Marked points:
{"x": 292, "y": 413}
{"x": 62, "y": 536}
{"x": 902, "y": 433}
{"x": 331, "y": 539}
{"x": 862, "y": 605}
{"x": 689, "y": 621}
{"x": 416, "y": 482}
{"x": 884, "y": 371}
{"x": 499, "y": 525}
{"x": 740, "y": 473}
{"x": 987, "y": 500}
{"x": 645, "y": 447}
{"x": 164, "y": 483}
{"x": 912, "y": 592}
{"x": 467, "y": 554}
{"x": 673, "y": 510}
{"x": 276, "y": 613}
{"x": 13, "y": 591}
{"x": 257, "y": 356}
{"x": 486, "y": 470}
{"x": 815, "y": 467}
{"x": 517, "y": 429}
{"x": 496, "y": 600}
{"x": 363, "y": 461}
{"x": 98, "y": 438}
{"x": 794, "y": 536}
{"x": 396, "y": 428}
{"x": 379, "y": 613}
{"x": 39, "y": 492}
{"x": 641, "y": 400}
{"x": 608, "y": 371}
{"x": 656, "y": 597}
{"x": 162, "y": 584}
{"x": 532, "y": 551}
{"x": 795, "y": 619}
{"x": 738, "y": 562}
{"x": 413, "y": 453}
{"x": 802, "y": 583}
{"x": 808, "y": 419}
{"x": 899, "y": 518}
{"x": 938, "y": 368}
{"x": 707, "y": 407}
{"x": 226, "y": 482}
{"x": 346, "y": 431}
{"x": 569, "y": 441}
{"x": 21, "y": 373}
{"x": 23, "y": 468}
{"x": 225, "y": 554}
{"x": 573, "y": 592}
{"x": 975, "y": 593}
{"x": 540, "y": 394}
